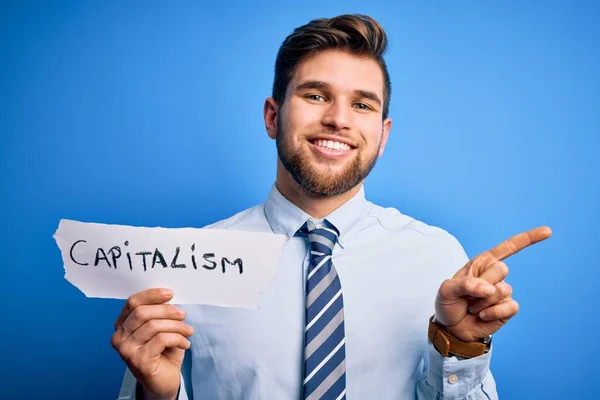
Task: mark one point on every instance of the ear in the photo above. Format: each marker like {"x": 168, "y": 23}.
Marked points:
{"x": 387, "y": 126}
{"x": 270, "y": 110}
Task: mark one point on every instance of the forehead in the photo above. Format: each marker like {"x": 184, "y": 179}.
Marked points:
{"x": 345, "y": 72}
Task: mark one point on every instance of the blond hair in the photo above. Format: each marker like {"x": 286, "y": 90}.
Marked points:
{"x": 355, "y": 33}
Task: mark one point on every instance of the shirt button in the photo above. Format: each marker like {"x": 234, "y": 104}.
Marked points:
{"x": 453, "y": 379}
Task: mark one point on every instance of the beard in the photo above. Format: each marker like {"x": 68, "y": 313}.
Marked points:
{"x": 322, "y": 182}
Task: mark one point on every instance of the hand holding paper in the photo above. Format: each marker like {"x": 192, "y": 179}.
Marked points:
{"x": 203, "y": 266}
{"x": 151, "y": 337}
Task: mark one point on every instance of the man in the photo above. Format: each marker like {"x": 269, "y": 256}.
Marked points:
{"x": 349, "y": 311}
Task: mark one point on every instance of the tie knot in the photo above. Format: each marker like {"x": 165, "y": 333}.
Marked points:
{"x": 321, "y": 236}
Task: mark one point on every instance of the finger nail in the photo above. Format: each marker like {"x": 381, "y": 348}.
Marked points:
{"x": 483, "y": 316}
{"x": 167, "y": 292}
{"x": 489, "y": 290}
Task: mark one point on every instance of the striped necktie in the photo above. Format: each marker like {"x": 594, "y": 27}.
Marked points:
{"x": 324, "y": 339}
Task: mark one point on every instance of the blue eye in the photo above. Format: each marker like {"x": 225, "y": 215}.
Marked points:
{"x": 315, "y": 97}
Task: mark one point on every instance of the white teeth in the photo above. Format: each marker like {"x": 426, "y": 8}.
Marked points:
{"x": 330, "y": 144}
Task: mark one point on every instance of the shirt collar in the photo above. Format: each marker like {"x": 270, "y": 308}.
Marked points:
{"x": 286, "y": 218}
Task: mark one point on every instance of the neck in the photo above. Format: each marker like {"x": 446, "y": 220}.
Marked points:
{"x": 315, "y": 206}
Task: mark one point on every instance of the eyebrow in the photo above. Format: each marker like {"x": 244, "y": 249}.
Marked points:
{"x": 368, "y": 95}
{"x": 326, "y": 86}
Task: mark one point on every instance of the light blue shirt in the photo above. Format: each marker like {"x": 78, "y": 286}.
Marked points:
{"x": 390, "y": 266}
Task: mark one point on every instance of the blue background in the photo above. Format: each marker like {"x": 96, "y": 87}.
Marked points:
{"x": 150, "y": 113}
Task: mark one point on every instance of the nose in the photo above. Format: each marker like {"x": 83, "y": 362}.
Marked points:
{"x": 337, "y": 116}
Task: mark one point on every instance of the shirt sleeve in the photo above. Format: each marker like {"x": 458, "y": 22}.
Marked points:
{"x": 451, "y": 378}
{"x": 130, "y": 388}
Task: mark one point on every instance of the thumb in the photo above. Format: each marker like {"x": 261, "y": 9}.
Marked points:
{"x": 453, "y": 289}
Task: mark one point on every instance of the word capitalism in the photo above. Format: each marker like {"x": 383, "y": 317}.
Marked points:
{"x": 157, "y": 258}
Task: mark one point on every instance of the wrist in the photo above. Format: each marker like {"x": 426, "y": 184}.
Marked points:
{"x": 486, "y": 340}
{"x": 448, "y": 344}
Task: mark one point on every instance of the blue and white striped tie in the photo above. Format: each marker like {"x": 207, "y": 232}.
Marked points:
{"x": 324, "y": 345}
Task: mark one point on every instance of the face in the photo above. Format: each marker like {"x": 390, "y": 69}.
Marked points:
{"x": 330, "y": 131}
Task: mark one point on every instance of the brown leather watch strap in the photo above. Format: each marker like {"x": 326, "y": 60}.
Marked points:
{"x": 447, "y": 344}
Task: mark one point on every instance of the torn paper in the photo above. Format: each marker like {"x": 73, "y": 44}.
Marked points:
{"x": 202, "y": 266}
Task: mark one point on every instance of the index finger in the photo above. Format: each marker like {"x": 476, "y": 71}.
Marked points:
{"x": 519, "y": 242}
{"x": 148, "y": 296}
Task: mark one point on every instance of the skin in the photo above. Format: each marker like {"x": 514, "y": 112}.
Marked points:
{"x": 335, "y": 96}
{"x": 151, "y": 337}
{"x": 477, "y": 301}
{"x": 347, "y": 107}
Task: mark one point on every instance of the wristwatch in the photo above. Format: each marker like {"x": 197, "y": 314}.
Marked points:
{"x": 446, "y": 344}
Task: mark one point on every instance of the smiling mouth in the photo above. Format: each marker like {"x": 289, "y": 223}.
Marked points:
{"x": 331, "y": 145}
